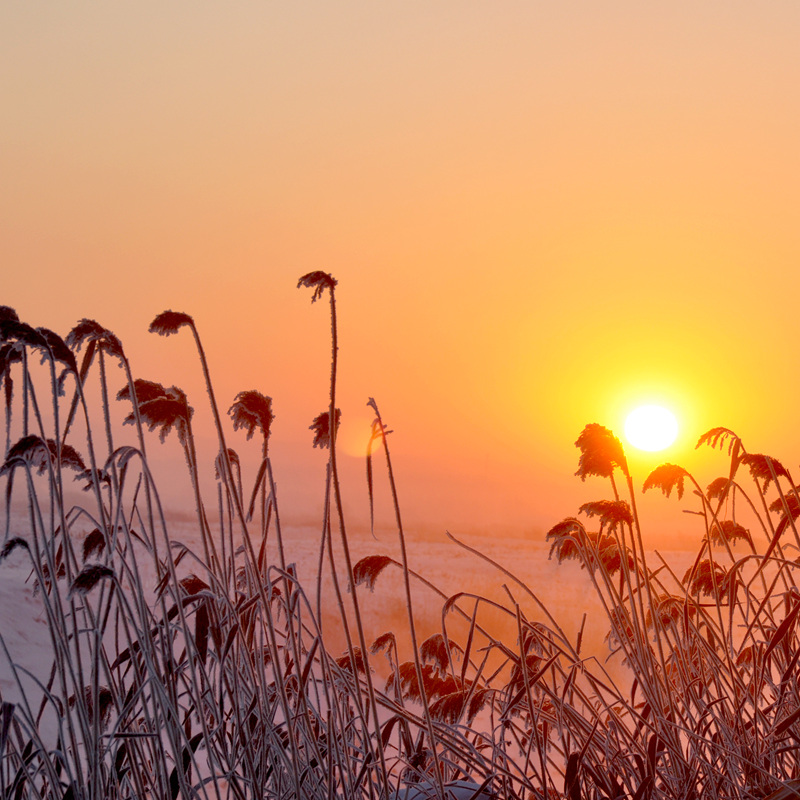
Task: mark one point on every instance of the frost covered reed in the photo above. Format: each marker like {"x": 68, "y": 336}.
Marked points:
{"x": 209, "y": 674}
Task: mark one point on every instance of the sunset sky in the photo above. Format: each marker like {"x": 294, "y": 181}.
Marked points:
{"x": 539, "y": 215}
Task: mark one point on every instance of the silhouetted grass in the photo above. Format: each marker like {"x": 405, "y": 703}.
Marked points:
{"x": 175, "y": 673}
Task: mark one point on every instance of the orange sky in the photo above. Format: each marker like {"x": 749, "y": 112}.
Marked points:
{"x": 539, "y": 214}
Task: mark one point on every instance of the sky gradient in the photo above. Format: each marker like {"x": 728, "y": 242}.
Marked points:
{"x": 539, "y": 215}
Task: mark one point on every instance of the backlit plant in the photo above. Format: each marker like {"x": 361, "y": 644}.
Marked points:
{"x": 214, "y": 673}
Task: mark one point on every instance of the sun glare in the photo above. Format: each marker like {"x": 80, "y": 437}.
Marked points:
{"x": 651, "y": 428}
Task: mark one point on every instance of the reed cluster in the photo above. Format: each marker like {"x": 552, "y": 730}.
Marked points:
{"x": 207, "y": 672}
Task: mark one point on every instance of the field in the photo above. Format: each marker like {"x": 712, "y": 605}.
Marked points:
{"x": 236, "y": 655}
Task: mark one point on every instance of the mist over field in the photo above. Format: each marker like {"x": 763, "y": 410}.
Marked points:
{"x": 564, "y": 589}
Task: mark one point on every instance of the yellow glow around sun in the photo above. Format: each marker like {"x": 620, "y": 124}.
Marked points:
{"x": 651, "y": 428}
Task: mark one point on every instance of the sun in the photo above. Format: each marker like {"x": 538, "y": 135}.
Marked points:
{"x": 651, "y": 428}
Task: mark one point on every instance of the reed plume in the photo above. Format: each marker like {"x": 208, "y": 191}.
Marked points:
{"x": 601, "y": 452}
{"x": 160, "y": 408}
{"x": 666, "y": 477}
{"x": 321, "y": 426}
{"x": 252, "y": 411}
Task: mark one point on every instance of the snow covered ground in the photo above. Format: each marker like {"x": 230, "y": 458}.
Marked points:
{"x": 565, "y": 590}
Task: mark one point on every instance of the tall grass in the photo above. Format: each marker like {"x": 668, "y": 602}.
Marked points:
{"x": 210, "y": 674}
